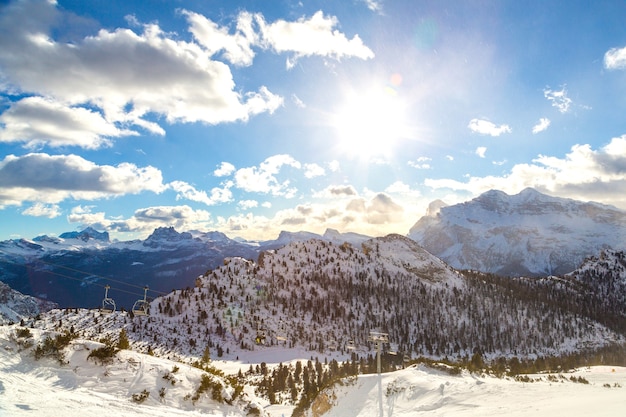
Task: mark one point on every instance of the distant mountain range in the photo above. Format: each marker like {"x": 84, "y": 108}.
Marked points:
{"x": 528, "y": 234}
{"x": 319, "y": 296}
{"x": 73, "y": 268}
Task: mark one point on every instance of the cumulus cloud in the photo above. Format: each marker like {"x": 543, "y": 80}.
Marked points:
{"x": 316, "y": 35}
{"x": 313, "y": 170}
{"x": 50, "y": 211}
{"x": 336, "y": 191}
{"x": 420, "y": 163}
{"x": 143, "y": 220}
{"x": 583, "y": 174}
{"x": 127, "y": 75}
{"x": 44, "y": 178}
{"x": 485, "y": 127}
{"x": 225, "y": 169}
{"x": 401, "y": 188}
{"x": 189, "y": 192}
{"x": 558, "y": 98}
{"x": 36, "y": 121}
{"x": 615, "y": 59}
{"x": 247, "y": 204}
{"x": 542, "y": 125}
{"x": 263, "y": 179}
{"x": 480, "y": 151}
{"x": 377, "y": 215}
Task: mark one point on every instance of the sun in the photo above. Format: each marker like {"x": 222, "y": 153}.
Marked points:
{"x": 370, "y": 123}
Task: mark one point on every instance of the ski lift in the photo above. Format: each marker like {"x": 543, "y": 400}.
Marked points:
{"x": 108, "y": 304}
{"x": 351, "y": 345}
{"x": 140, "y": 308}
{"x": 260, "y": 337}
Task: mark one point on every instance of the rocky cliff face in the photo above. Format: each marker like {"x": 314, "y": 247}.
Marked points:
{"x": 525, "y": 234}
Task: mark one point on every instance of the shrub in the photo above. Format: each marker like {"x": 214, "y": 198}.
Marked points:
{"x": 142, "y": 396}
{"x": 23, "y": 333}
{"x": 53, "y": 348}
{"x": 104, "y": 355}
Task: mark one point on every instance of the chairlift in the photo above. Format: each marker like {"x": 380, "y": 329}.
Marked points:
{"x": 140, "y": 308}
{"x": 260, "y": 337}
{"x": 108, "y": 304}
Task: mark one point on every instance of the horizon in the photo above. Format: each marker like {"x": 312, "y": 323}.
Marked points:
{"x": 251, "y": 119}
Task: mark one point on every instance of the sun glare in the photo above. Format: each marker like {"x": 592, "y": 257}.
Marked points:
{"x": 370, "y": 123}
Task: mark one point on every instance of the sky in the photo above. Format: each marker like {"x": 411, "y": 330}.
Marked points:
{"x": 254, "y": 117}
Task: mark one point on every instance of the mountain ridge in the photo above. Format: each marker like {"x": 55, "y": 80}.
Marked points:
{"x": 529, "y": 233}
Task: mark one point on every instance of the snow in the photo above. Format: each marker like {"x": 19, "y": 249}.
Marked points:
{"x": 83, "y": 388}
{"x": 419, "y": 390}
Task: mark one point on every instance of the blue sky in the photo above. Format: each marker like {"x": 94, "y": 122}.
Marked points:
{"x": 252, "y": 117}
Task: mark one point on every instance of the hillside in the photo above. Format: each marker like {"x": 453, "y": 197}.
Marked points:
{"x": 133, "y": 384}
{"x": 322, "y": 297}
{"x": 528, "y": 234}
{"x": 73, "y": 268}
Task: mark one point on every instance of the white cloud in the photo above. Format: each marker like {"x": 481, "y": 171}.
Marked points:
{"x": 263, "y": 179}
{"x": 44, "y": 178}
{"x": 584, "y": 174}
{"x": 485, "y": 127}
{"x": 37, "y": 121}
{"x": 313, "y": 170}
{"x": 144, "y": 220}
{"x": 542, "y": 125}
{"x": 374, "y": 5}
{"x": 248, "y": 204}
{"x": 402, "y": 189}
{"x": 225, "y": 169}
{"x": 316, "y": 35}
{"x": 125, "y": 74}
{"x": 480, "y": 151}
{"x": 615, "y": 59}
{"x": 237, "y": 47}
{"x": 559, "y": 99}
{"x": 420, "y": 163}
{"x": 334, "y": 166}
{"x": 189, "y": 192}
{"x": 50, "y": 211}
{"x": 336, "y": 191}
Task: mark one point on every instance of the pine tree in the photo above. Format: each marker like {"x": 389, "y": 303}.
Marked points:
{"x": 123, "y": 342}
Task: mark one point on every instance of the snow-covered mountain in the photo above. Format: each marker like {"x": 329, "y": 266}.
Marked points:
{"x": 15, "y": 306}
{"x": 323, "y": 297}
{"x": 525, "y": 234}
{"x": 317, "y": 302}
{"x": 73, "y": 268}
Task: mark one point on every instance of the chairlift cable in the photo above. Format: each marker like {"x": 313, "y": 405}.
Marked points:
{"x": 82, "y": 272}
{"x": 83, "y": 279}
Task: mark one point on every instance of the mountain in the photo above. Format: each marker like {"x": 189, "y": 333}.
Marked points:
{"x": 73, "y": 268}
{"x": 15, "y": 306}
{"x": 322, "y": 301}
{"x": 85, "y": 235}
{"x": 319, "y": 296}
{"x": 525, "y": 234}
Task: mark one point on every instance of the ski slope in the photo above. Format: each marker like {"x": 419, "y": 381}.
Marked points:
{"x": 82, "y": 388}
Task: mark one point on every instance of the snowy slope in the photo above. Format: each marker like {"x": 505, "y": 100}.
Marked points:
{"x": 15, "y": 306}
{"x": 82, "y": 388}
{"x": 525, "y": 234}
{"x": 419, "y": 390}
